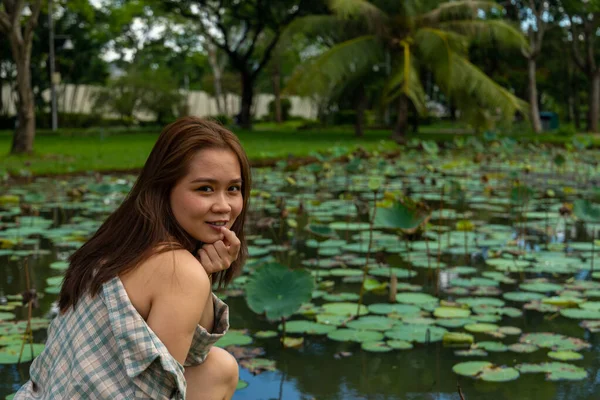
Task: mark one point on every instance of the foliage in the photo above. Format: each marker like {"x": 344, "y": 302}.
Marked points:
{"x": 278, "y": 291}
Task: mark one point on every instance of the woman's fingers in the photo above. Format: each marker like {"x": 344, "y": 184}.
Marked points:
{"x": 205, "y": 261}
{"x": 232, "y": 241}
{"x": 223, "y": 253}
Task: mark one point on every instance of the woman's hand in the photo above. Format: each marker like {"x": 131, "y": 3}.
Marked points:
{"x": 218, "y": 256}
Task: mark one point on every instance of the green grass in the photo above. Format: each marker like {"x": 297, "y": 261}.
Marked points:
{"x": 116, "y": 149}
{"x": 79, "y": 151}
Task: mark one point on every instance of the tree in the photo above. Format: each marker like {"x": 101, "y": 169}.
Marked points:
{"x": 583, "y": 24}
{"x": 237, "y": 26}
{"x": 535, "y": 14}
{"x": 432, "y": 35}
{"x": 20, "y": 29}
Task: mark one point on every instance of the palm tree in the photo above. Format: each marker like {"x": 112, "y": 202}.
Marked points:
{"x": 416, "y": 35}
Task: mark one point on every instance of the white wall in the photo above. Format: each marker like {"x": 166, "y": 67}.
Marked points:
{"x": 78, "y": 99}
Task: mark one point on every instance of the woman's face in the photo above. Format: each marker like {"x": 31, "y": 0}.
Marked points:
{"x": 209, "y": 195}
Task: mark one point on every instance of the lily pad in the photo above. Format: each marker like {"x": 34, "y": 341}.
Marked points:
{"x": 471, "y": 368}
{"x": 565, "y": 355}
{"x": 354, "y": 335}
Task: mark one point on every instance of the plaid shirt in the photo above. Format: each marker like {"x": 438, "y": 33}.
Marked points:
{"x": 103, "y": 349}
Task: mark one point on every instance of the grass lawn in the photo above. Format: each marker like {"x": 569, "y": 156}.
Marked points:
{"x": 77, "y": 150}
{"x": 80, "y": 151}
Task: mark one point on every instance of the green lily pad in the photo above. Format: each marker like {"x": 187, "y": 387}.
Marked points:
{"x": 234, "y": 337}
{"x": 416, "y": 298}
{"x": 565, "y": 355}
{"x": 416, "y": 333}
{"x": 309, "y": 327}
{"x": 578, "y": 313}
{"x": 522, "y": 296}
{"x": 278, "y": 291}
{"x": 492, "y": 346}
{"x": 399, "y": 344}
{"x": 265, "y": 334}
{"x": 541, "y": 287}
{"x": 523, "y": 347}
{"x": 471, "y": 368}
{"x": 499, "y": 374}
{"x": 354, "y": 335}
{"x": 401, "y": 309}
{"x": 451, "y": 312}
{"x": 376, "y": 347}
{"x": 344, "y": 309}
{"x": 10, "y": 354}
{"x": 372, "y": 322}
{"x": 478, "y": 328}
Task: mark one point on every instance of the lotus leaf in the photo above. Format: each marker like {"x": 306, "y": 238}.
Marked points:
{"x": 341, "y": 296}
{"x": 234, "y": 337}
{"x": 523, "y": 348}
{"x": 492, "y": 346}
{"x": 578, "y": 313}
{"x": 401, "y": 309}
{"x": 399, "y": 344}
{"x": 373, "y": 323}
{"x": 265, "y": 334}
{"x": 554, "y": 341}
{"x": 331, "y": 319}
{"x": 477, "y": 328}
{"x": 451, "y": 312}
{"x": 471, "y": 353}
{"x": 453, "y": 322}
{"x": 10, "y": 354}
{"x": 278, "y": 291}
{"x": 376, "y": 347}
{"x": 541, "y": 287}
{"x": 522, "y": 296}
{"x": 471, "y": 368}
{"x": 555, "y": 371}
{"x": 354, "y": 335}
{"x": 416, "y": 298}
{"x": 309, "y": 327}
{"x": 344, "y": 309}
{"x": 499, "y": 374}
{"x": 417, "y": 333}
{"x": 453, "y": 338}
{"x": 481, "y": 301}
{"x": 565, "y": 355}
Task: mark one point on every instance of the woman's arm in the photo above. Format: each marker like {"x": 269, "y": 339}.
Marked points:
{"x": 180, "y": 290}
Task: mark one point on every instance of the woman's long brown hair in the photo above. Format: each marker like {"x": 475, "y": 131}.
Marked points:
{"x": 144, "y": 222}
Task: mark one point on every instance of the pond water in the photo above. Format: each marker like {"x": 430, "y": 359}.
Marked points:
{"x": 503, "y": 241}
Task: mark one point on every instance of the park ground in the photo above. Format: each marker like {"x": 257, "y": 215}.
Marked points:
{"x": 70, "y": 151}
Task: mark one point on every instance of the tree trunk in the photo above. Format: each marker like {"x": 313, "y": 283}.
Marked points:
{"x": 276, "y": 78}
{"x": 25, "y": 132}
{"x": 594, "y": 103}
{"x": 245, "y": 118}
{"x": 216, "y": 68}
{"x": 360, "y": 106}
{"x": 534, "y": 109}
{"x": 399, "y": 134}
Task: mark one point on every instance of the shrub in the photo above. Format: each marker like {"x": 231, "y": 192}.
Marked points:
{"x": 286, "y": 106}
{"x": 223, "y": 119}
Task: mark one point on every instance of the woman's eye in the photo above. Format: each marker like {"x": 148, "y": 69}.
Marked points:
{"x": 204, "y": 189}
{"x": 235, "y": 188}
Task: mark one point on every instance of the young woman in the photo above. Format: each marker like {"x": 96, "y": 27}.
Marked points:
{"x": 138, "y": 318}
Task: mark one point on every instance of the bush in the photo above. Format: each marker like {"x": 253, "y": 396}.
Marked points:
{"x": 286, "y": 106}
{"x": 343, "y": 117}
{"x": 7, "y": 122}
{"x": 221, "y": 118}
{"x": 75, "y": 120}
{"x": 566, "y": 130}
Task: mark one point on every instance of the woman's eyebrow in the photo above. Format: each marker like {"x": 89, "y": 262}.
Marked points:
{"x": 211, "y": 180}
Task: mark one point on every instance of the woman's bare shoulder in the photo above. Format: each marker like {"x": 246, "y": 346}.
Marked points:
{"x": 174, "y": 270}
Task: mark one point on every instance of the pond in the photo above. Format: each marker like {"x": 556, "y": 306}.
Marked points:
{"x": 500, "y": 250}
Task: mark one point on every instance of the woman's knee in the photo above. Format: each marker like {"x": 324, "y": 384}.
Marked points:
{"x": 226, "y": 364}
